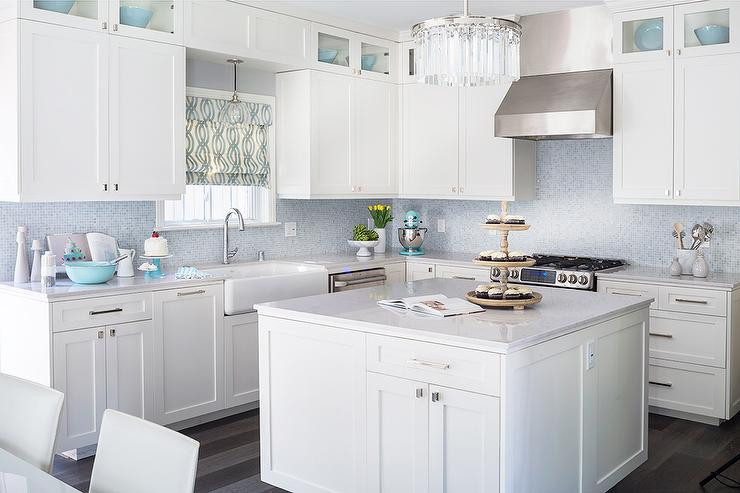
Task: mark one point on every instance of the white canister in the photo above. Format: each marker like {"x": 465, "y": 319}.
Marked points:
{"x": 48, "y": 270}
{"x": 686, "y": 258}
{"x": 380, "y": 248}
{"x": 126, "y": 266}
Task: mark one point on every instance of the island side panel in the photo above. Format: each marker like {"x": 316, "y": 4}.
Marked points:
{"x": 574, "y": 426}
{"x": 25, "y": 338}
{"x": 312, "y": 406}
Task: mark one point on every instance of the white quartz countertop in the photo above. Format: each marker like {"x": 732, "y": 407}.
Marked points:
{"x": 720, "y": 280}
{"x": 346, "y": 263}
{"x": 561, "y": 311}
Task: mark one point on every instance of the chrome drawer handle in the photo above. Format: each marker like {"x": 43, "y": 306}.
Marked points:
{"x": 190, "y": 293}
{"x": 623, "y": 293}
{"x": 430, "y": 364}
{"x": 658, "y": 334}
{"x": 103, "y": 312}
{"x": 696, "y": 302}
{"x": 660, "y": 384}
{"x": 464, "y": 278}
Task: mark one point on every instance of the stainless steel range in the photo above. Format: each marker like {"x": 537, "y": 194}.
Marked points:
{"x": 561, "y": 271}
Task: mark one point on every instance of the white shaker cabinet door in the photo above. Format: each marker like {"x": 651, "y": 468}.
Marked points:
{"x": 419, "y": 271}
{"x": 430, "y": 137}
{"x": 188, "y": 352}
{"x": 708, "y": 128}
{"x": 79, "y": 372}
{"x": 397, "y": 435}
{"x": 64, "y": 113}
{"x": 463, "y": 441}
{"x": 241, "y": 359}
{"x": 130, "y": 368}
{"x": 643, "y": 130}
{"x": 147, "y": 109}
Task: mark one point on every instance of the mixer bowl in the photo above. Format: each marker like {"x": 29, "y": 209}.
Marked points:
{"x": 411, "y": 238}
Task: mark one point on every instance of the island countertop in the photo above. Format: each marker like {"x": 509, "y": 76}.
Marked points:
{"x": 561, "y": 311}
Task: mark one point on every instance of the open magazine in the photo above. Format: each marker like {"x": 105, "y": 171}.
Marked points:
{"x": 434, "y": 304}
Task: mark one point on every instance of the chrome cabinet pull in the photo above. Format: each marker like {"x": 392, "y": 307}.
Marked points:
{"x": 435, "y": 396}
{"x": 678, "y": 192}
{"x": 115, "y": 187}
{"x": 454, "y": 189}
{"x": 101, "y": 334}
{"x": 669, "y": 52}
{"x": 105, "y": 187}
{"x": 430, "y": 269}
{"x": 115, "y": 27}
{"x": 667, "y": 192}
{"x": 658, "y": 334}
{"x": 678, "y": 52}
{"x": 624, "y": 293}
{"x": 464, "y": 278}
{"x": 419, "y": 393}
{"x": 103, "y": 312}
{"x": 696, "y": 302}
{"x": 190, "y": 293}
{"x": 430, "y": 364}
{"x": 112, "y": 332}
{"x": 462, "y": 189}
{"x": 660, "y": 384}
{"x": 105, "y": 25}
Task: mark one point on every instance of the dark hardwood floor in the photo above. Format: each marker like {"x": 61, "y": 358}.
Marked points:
{"x": 681, "y": 454}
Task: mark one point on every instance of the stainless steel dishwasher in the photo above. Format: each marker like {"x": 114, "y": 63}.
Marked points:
{"x": 344, "y": 281}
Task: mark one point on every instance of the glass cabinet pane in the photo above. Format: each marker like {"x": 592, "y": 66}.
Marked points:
{"x": 333, "y": 50}
{"x": 706, "y": 28}
{"x": 157, "y": 15}
{"x": 642, "y": 35}
{"x": 80, "y": 8}
{"x": 375, "y": 58}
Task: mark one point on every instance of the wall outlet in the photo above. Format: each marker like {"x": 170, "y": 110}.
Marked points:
{"x": 440, "y": 225}
{"x": 290, "y": 229}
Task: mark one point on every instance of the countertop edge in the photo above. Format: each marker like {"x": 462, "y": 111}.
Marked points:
{"x": 686, "y": 281}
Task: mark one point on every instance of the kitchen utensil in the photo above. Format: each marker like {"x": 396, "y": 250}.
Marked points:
{"x": 712, "y": 34}
{"x": 363, "y": 246}
{"x": 686, "y": 258}
{"x": 700, "y": 267}
{"x": 327, "y": 55}
{"x": 90, "y": 272}
{"x": 678, "y": 233}
{"x": 708, "y": 232}
{"x": 102, "y": 247}
{"x": 367, "y": 62}
{"x": 411, "y": 240}
{"x": 649, "y": 35}
{"x": 698, "y": 234}
{"x": 135, "y": 16}
{"x": 61, "y": 6}
{"x": 126, "y": 266}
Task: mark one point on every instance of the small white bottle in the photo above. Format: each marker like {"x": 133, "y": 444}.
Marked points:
{"x": 36, "y": 266}
{"x": 22, "y": 271}
{"x": 48, "y": 270}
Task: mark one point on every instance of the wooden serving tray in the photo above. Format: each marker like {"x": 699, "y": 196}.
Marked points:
{"x": 506, "y": 227}
{"x": 515, "y": 304}
{"x": 526, "y": 263}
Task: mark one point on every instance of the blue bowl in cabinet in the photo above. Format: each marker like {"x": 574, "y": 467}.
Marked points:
{"x": 368, "y": 61}
{"x": 713, "y": 34}
{"x": 61, "y": 6}
{"x": 649, "y": 35}
{"x": 90, "y": 272}
{"x": 135, "y": 16}
{"x": 327, "y": 55}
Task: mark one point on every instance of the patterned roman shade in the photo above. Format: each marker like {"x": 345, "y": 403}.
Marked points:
{"x": 219, "y": 153}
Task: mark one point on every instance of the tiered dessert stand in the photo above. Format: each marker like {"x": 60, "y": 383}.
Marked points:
{"x": 503, "y": 230}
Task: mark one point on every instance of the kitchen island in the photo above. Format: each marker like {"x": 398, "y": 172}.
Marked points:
{"x": 356, "y": 397}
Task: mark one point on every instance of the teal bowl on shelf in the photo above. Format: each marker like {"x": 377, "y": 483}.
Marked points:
{"x": 61, "y": 6}
{"x": 135, "y": 16}
{"x": 713, "y": 34}
{"x": 327, "y": 55}
{"x": 90, "y": 272}
{"x": 649, "y": 35}
{"x": 368, "y": 61}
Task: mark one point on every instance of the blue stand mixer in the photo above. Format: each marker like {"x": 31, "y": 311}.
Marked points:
{"x": 411, "y": 235}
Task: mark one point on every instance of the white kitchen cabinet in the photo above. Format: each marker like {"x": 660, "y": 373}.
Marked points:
{"x": 189, "y": 352}
{"x": 419, "y": 271}
{"x": 342, "y": 131}
{"x": 465, "y": 273}
{"x": 395, "y": 273}
{"x": 397, "y": 435}
{"x": 463, "y": 441}
{"x": 689, "y": 17}
{"x": 147, "y": 118}
{"x": 165, "y": 24}
{"x": 351, "y": 53}
{"x": 80, "y": 373}
{"x": 241, "y": 363}
{"x": 707, "y": 158}
{"x": 84, "y": 14}
{"x": 630, "y": 45}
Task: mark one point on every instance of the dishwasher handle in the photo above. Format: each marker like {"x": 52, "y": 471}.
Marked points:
{"x": 367, "y": 280}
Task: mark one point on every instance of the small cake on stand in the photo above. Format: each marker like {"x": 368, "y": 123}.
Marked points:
{"x": 156, "y": 250}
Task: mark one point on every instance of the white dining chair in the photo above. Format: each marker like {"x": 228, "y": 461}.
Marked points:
{"x": 135, "y": 456}
{"x": 29, "y": 418}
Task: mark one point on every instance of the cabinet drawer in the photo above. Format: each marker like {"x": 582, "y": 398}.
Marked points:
{"x": 459, "y": 368}
{"x": 689, "y": 300}
{"x": 688, "y": 388}
{"x": 629, "y": 289}
{"x": 95, "y": 312}
{"x": 467, "y": 273}
{"x": 686, "y": 337}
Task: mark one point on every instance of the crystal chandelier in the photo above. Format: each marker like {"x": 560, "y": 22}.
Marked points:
{"x": 234, "y": 111}
{"x": 466, "y": 50}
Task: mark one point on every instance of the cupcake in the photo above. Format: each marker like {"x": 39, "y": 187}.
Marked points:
{"x": 495, "y": 294}
{"x": 525, "y": 292}
{"x": 517, "y": 257}
{"x": 493, "y": 219}
{"x": 512, "y": 294}
{"x": 482, "y": 291}
{"x": 498, "y": 257}
{"x": 513, "y": 219}
{"x": 485, "y": 255}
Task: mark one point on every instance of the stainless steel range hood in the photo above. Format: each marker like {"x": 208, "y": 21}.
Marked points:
{"x": 574, "y": 105}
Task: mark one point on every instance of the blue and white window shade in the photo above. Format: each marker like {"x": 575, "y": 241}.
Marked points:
{"x": 220, "y": 153}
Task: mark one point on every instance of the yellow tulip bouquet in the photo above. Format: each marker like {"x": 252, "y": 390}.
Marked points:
{"x": 381, "y": 215}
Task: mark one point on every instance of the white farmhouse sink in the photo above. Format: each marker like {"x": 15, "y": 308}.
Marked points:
{"x": 257, "y": 282}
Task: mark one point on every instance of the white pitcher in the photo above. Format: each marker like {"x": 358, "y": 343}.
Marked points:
{"x": 126, "y": 266}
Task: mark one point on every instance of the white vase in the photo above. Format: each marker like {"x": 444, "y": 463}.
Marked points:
{"x": 700, "y": 268}
{"x": 381, "y": 239}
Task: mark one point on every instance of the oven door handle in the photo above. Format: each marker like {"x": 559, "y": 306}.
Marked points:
{"x": 367, "y": 280}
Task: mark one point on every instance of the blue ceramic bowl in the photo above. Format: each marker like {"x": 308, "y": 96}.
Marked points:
{"x": 327, "y": 55}
{"x": 368, "y": 61}
{"x": 90, "y": 272}
{"x": 135, "y": 16}
{"x": 649, "y": 35}
{"x": 61, "y": 6}
{"x": 713, "y": 34}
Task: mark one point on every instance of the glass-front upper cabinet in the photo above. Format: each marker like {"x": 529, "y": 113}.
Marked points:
{"x": 156, "y": 20}
{"x": 377, "y": 58}
{"x": 340, "y": 51}
{"x": 643, "y": 35}
{"x": 333, "y": 50}
{"x": 83, "y": 14}
{"x": 707, "y": 28}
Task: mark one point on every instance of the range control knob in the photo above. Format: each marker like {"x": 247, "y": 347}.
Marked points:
{"x": 562, "y": 278}
{"x": 495, "y": 271}
{"x": 572, "y": 279}
{"x": 514, "y": 274}
{"x": 583, "y": 280}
